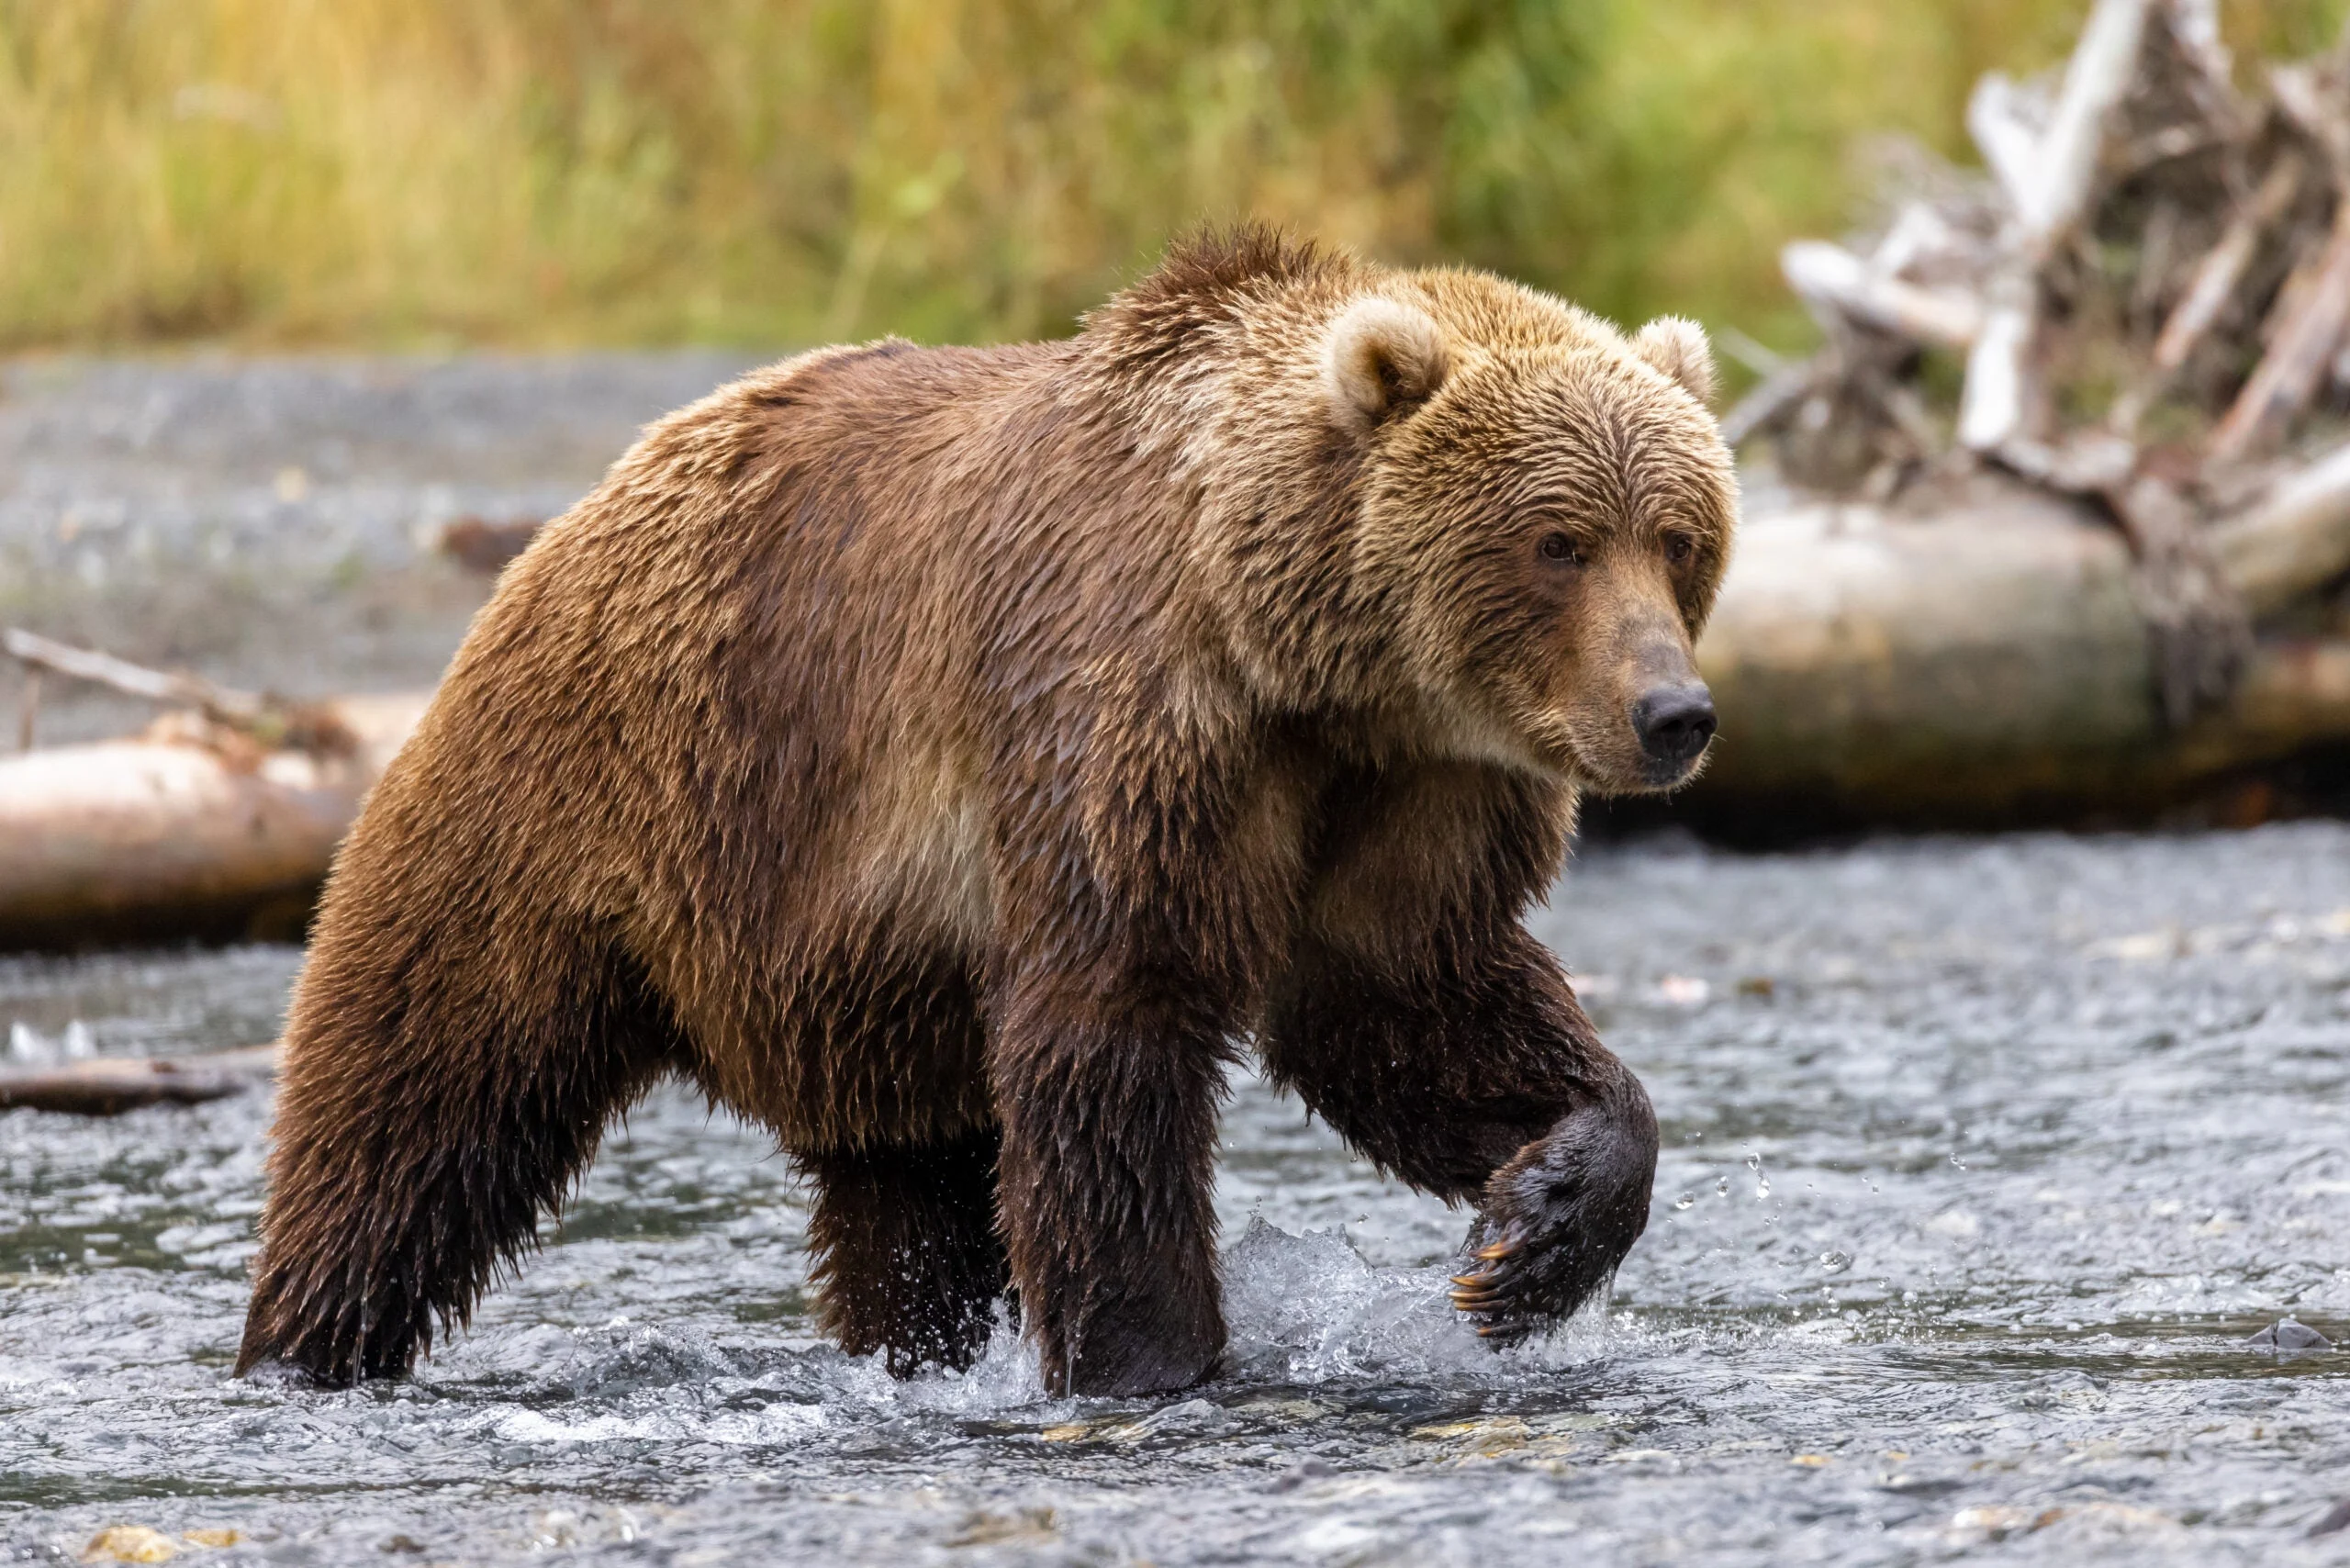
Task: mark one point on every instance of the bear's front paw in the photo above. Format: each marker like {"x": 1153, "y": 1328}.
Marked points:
{"x": 1558, "y": 1217}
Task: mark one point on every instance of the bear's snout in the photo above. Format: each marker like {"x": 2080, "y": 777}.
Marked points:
{"x": 1674, "y": 723}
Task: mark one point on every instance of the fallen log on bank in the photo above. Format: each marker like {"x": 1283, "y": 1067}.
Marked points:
{"x": 108, "y": 1086}
{"x": 1989, "y": 662}
{"x": 192, "y": 829}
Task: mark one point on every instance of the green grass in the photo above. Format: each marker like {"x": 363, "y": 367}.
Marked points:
{"x": 422, "y": 173}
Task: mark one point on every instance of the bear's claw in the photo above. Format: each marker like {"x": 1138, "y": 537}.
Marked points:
{"x": 1558, "y": 1217}
{"x": 1489, "y": 1293}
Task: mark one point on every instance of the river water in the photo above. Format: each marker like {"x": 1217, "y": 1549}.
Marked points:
{"x": 1984, "y": 1160}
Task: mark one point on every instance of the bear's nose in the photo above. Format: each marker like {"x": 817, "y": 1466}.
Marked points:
{"x": 1674, "y": 721}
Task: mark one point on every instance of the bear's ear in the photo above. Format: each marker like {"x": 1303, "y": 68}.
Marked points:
{"x": 1677, "y": 346}
{"x": 1381, "y": 359}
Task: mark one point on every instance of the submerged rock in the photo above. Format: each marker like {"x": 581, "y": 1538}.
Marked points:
{"x": 2287, "y": 1337}
{"x": 130, "y": 1544}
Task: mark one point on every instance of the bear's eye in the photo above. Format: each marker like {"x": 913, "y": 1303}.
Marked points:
{"x": 1678, "y": 548}
{"x": 1559, "y": 547}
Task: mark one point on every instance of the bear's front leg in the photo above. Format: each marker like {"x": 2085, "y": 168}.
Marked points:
{"x": 1461, "y": 1063}
{"x": 1108, "y": 1090}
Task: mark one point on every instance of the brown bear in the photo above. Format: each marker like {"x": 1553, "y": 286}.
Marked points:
{"x": 952, "y": 758}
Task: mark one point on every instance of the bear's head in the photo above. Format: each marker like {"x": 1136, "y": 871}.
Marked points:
{"x": 1543, "y": 509}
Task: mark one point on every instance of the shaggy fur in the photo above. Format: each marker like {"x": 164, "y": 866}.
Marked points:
{"x": 950, "y": 758}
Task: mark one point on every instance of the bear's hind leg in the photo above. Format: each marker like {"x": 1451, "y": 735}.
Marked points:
{"x": 432, "y": 1110}
{"x": 908, "y": 1259}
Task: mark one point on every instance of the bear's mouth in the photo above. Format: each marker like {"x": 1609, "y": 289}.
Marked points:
{"x": 1615, "y": 763}
{"x": 1659, "y": 775}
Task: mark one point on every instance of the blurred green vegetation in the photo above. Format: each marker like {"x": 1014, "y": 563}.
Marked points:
{"x": 417, "y": 173}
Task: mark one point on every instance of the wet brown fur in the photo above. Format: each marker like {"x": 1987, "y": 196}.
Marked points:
{"x": 950, "y": 758}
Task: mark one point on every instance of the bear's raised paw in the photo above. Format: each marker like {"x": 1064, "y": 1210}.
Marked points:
{"x": 1558, "y": 1217}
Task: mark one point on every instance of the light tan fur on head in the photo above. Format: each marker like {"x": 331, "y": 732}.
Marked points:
{"x": 1385, "y": 455}
{"x": 1382, "y": 358}
{"x": 1551, "y": 529}
{"x": 1677, "y": 346}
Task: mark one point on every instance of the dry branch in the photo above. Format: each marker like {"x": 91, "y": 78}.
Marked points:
{"x": 1831, "y": 276}
{"x": 2305, "y": 96}
{"x": 271, "y": 720}
{"x": 2297, "y": 362}
{"x": 1998, "y": 390}
{"x": 2293, "y": 540}
{"x": 2049, "y": 176}
{"x": 2062, "y": 170}
{"x": 2210, "y": 288}
{"x": 1771, "y": 400}
{"x": 2005, "y": 135}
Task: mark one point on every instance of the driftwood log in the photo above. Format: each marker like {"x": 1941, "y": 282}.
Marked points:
{"x": 192, "y": 830}
{"x": 1991, "y": 660}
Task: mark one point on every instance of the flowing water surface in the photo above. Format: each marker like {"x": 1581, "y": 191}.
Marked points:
{"x": 1984, "y": 1161}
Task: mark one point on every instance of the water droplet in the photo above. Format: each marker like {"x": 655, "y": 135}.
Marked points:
{"x": 1954, "y": 1160}
{"x": 1761, "y": 1182}
{"x": 1721, "y": 1187}
{"x": 1834, "y": 1262}
{"x": 1684, "y": 1201}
